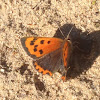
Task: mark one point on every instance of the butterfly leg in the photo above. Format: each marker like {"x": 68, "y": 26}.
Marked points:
{"x": 64, "y": 74}
{"x": 63, "y": 77}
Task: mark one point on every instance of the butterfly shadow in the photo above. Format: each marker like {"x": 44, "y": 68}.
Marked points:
{"x": 86, "y": 48}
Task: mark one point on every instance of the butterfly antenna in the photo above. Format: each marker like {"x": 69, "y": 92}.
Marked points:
{"x": 70, "y": 32}
{"x": 61, "y": 32}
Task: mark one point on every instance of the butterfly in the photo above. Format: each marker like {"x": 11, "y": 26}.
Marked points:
{"x": 49, "y": 54}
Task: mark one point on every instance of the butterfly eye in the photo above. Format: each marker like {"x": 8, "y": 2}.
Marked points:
{"x": 68, "y": 39}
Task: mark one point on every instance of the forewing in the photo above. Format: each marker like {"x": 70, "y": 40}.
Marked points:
{"x": 37, "y": 47}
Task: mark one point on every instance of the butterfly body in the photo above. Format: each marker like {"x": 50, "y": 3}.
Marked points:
{"x": 49, "y": 54}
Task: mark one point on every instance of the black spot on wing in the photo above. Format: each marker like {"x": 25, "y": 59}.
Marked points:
{"x": 35, "y": 49}
{"x": 42, "y": 42}
{"x": 41, "y": 51}
{"x": 32, "y": 43}
{"x": 35, "y": 46}
{"x": 48, "y": 42}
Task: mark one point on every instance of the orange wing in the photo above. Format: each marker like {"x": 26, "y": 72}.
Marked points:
{"x": 39, "y": 46}
{"x": 66, "y": 52}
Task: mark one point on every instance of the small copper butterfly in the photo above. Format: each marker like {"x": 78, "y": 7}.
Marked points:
{"x": 49, "y": 54}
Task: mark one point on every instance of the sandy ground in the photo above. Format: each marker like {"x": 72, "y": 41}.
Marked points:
{"x": 18, "y": 78}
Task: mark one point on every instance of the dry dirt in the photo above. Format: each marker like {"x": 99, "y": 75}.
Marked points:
{"x": 18, "y": 78}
